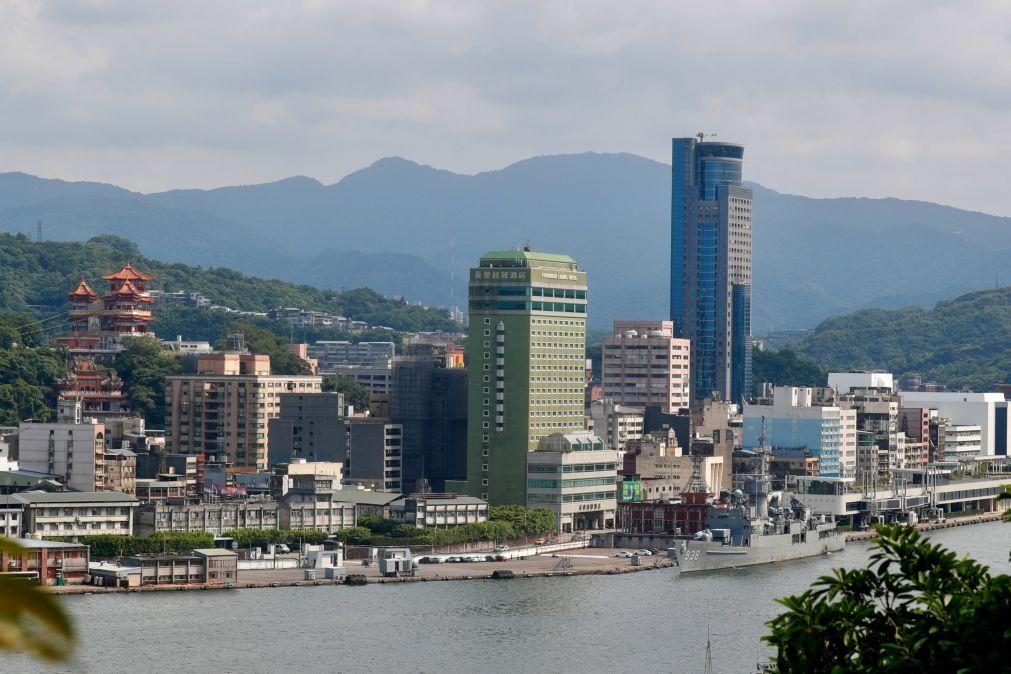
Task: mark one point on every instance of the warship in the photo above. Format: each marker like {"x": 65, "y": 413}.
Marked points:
{"x": 755, "y": 525}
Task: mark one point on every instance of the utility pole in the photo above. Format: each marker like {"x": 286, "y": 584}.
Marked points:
{"x": 38, "y": 231}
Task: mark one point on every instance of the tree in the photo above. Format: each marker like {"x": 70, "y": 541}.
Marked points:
{"x": 524, "y": 521}
{"x": 354, "y": 393}
{"x": 916, "y": 608}
{"x": 143, "y": 365}
{"x": 32, "y": 620}
{"x": 785, "y": 368}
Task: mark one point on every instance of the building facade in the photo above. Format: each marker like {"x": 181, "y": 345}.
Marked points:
{"x": 711, "y": 265}
{"x": 526, "y": 351}
{"x": 311, "y": 502}
{"x": 70, "y": 514}
{"x": 428, "y": 398}
{"x": 75, "y": 451}
{"x": 374, "y": 453}
{"x": 52, "y": 562}
{"x": 806, "y": 418}
{"x": 616, "y": 424}
{"x": 215, "y": 516}
{"x": 986, "y": 410}
{"x": 308, "y": 426}
{"x": 438, "y": 510}
{"x": 643, "y": 364}
{"x": 574, "y": 476}
{"x": 225, "y": 407}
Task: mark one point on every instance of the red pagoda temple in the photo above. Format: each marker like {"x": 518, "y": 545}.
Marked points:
{"x": 98, "y": 323}
{"x": 101, "y": 395}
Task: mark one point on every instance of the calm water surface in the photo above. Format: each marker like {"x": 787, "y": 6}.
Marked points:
{"x": 651, "y": 621}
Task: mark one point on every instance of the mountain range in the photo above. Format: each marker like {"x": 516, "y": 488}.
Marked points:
{"x": 402, "y": 228}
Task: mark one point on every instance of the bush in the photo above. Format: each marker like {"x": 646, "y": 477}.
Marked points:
{"x": 916, "y": 608}
{"x": 110, "y": 545}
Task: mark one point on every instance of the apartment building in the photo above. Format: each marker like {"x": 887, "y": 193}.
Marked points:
{"x": 643, "y": 363}
{"x": 225, "y": 407}
{"x": 70, "y": 514}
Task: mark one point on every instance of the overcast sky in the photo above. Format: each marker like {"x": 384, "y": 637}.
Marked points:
{"x": 911, "y": 99}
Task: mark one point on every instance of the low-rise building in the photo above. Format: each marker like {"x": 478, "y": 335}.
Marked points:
{"x": 283, "y": 474}
{"x": 169, "y": 569}
{"x": 574, "y": 476}
{"x": 70, "y": 514}
{"x": 221, "y": 567}
{"x": 215, "y": 516}
{"x": 368, "y": 502}
{"x": 310, "y": 503}
{"x": 438, "y": 510}
{"x": 616, "y": 424}
{"x": 49, "y": 562}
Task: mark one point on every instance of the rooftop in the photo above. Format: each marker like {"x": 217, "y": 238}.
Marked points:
{"x": 74, "y": 497}
{"x": 214, "y": 552}
{"x": 365, "y": 496}
{"x": 33, "y": 544}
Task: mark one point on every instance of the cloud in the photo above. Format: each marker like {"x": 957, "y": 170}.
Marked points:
{"x": 904, "y": 99}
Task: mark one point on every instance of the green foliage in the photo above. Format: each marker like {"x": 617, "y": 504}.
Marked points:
{"x": 110, "y": 545}
{"x": 32, "y": 620}
{"x": 525, "y": 521}
{"x": 354, "y": 393}
{"x": 785, "y": 368}
{"x": 961, "y": 342}
{"x": 34, "y": 273}
{"x": 28, "y": 373}
{"x": 143, "y": 365}
{"x": 504, "y": 523}
{"x": 916, "y": 608}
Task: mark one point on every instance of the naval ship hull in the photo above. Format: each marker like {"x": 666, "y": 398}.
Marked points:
{"x": 696, "y": 556}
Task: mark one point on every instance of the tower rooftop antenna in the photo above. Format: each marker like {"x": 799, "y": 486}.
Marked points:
{"x": 702, "y": 135}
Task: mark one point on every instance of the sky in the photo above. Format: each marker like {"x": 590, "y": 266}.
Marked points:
{"x": 905, "y": 99}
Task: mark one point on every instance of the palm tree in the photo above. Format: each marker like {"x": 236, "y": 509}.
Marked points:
{"x": 32, "y": 620}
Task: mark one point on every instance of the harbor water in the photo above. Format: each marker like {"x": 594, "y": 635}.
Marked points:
{"x": 649, "y": 621}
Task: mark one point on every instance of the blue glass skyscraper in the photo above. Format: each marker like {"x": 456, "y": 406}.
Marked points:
{"x": 710, "y": 291}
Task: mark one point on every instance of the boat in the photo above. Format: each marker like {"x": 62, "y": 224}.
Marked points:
{"x": 760, "y": 527}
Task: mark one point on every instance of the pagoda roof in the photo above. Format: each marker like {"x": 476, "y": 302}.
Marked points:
{"x": 83, "y": 290}
{"x": 127, "y": 288}
{"x": 128, "y": 273}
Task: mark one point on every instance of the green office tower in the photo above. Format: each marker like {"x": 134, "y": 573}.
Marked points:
{"x": 526, "y": 350}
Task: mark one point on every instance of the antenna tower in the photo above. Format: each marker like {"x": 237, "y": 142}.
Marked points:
{"x": 38, "y": 231}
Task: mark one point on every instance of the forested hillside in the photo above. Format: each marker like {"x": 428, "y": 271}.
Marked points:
{"x": 964, "y": 342}
{"x": 33, "y": 273}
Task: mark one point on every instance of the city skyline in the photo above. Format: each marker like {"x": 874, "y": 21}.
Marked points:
{"x": 172, "y": 96}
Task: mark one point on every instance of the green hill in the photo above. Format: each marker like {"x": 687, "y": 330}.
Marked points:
{"x": 964, "y": 342}
{"x": 34, "y": 273}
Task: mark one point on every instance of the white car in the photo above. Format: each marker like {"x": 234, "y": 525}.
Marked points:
{"x": 643, "y": 552}
{"x": 623, "y": 553}
{"x": 282, "y": 548}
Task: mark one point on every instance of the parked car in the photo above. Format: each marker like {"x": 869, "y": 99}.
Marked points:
{"x": 500, "y": 558}
{"x": 623, "y": 553}
{"x": 643, "y": 552}
{"x": 539, "y": 541}
{"x": 282, "y": 548}
{"x": 501, "y": 548}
